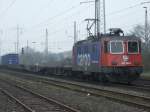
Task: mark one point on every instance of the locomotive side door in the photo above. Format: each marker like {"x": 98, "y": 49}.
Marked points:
{"x": 95, "y": 56}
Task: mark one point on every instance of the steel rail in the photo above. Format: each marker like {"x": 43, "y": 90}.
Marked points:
{"x": 135, "y": 87}
{"x": 17, "y": 100}
{"x": 136, "y": 100}
{"x": 50, "y": 100}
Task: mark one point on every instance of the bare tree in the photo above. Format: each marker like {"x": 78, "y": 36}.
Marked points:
{"x": 32, "y": 57}
{"x": 139, "y": 31}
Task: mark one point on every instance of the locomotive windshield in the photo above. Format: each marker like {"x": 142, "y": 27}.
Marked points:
{"x": 133, "y": 47}
{"x": 116, "y": 47}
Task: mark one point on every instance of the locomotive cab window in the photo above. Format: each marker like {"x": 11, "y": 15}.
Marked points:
{"x": 133, "y": 47}
{"x": 116, "y": 47}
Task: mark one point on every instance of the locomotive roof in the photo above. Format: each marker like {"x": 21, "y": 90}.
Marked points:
{"x": 107, "y": 37}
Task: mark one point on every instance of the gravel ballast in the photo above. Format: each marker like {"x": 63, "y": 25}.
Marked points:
{"x": 8, "y": 105}
{"x": 83, "y": 102}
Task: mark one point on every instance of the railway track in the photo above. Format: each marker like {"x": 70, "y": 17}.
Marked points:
{"x": 145, "y": 83}
{"x": 130, "y": 99}
{"x": 143, "y": 88}
{"x": 135, "y": 100}
{"x": 26, "y": 108}
{"x": 8, "y": 103}
{"x": 32, "y": 101}
{"x": 136, "y": 86}
{"x": 140, "y": 85}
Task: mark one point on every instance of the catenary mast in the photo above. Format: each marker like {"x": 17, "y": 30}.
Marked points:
{"x": 99, "y": 22}
{"x": 100, "y": 18}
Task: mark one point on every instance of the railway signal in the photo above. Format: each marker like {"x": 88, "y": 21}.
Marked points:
{"x": 22, "y": 51}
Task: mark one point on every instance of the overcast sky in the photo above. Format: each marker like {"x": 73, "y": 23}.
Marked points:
{"x": 34, "y": 16}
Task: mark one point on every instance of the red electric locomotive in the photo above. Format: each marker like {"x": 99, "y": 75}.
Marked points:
{"x": 112, "y": 57}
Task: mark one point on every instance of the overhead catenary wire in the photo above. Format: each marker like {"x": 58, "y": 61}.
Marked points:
{"x": 70, "y": 9}
{"x": 59, "y": 21}
{"x": 9, "y": 6}
{"x": 73, "y": 7}
{"x": 125, "y": 9}
{"x": 55, "y": 16}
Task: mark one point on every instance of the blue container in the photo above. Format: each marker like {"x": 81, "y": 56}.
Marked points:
{"x": 10, "y": 59}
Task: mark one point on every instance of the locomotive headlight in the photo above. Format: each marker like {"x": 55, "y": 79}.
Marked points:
{"x": 125, "y": 58}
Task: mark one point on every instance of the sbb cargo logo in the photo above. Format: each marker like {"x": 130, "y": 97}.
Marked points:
{"x": 84, "y": 60}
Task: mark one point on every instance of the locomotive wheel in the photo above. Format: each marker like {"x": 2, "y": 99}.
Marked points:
{"x": 102, "y": 78}
{"x": 129, "y": 83}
